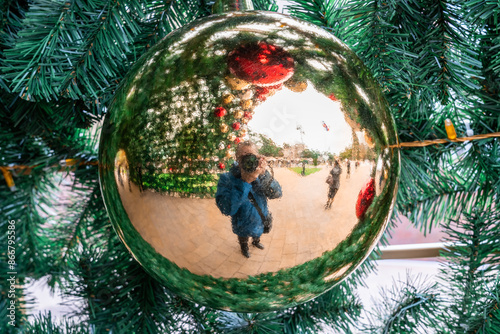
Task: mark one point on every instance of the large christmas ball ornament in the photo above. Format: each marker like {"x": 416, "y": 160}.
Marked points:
{"x": 289, "y": 101}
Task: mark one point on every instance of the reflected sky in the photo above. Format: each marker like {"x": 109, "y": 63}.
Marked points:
{"x": 283, "y": 112}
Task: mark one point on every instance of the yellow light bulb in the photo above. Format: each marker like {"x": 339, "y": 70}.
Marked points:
{"x": 450, "y": 129}
{"x": 8, "y": 178}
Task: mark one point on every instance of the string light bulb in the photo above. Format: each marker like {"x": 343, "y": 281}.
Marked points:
{"x": 450, "y": 129}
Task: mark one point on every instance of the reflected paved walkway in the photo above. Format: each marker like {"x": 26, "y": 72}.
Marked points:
{"x": 195, "y": 235}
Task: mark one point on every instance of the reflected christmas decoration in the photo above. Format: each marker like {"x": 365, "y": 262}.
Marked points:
{"x": 266, "y": 85}
{"x": 365, "y": 198}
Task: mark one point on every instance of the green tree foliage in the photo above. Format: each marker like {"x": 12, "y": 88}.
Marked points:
{"x": 60, "y": 64}
{"x": 268, "y": 147}
{"x": 474, "y": 264}
{"x": 409, "y": 308}
{"x": 346, "y": 153}
{"x": 307, "y": 153}
{"x": 311, "y": 154}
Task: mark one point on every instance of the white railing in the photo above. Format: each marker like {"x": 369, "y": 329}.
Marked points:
{"x": 413, "y": 251}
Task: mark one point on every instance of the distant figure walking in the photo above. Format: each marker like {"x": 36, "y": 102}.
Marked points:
{"x": 348, "y": 166}
{"x": 333, "y": 181}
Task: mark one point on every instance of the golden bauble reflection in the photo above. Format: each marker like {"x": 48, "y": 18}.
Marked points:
{"x": 261, "y": 180}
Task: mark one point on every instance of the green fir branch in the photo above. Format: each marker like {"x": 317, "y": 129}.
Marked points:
{"x": 14, "y": 299}
{"x": 38, "y": 136}
{"x": 462, "y": 176}
{"x": 121, "y": 297}
{"x": 488, "y": 101}
{"x": 491, "y": 322}
{"x": 45, "y": 323}
{"x": 322, "y": 13}
{"x": 75, "y": 50}
{"x": 267, "y": 5}
{"x": 247, "y": 323}
{"x": 163, "y": 17}
{"x": 44, "y": 41}
{"x": 338, "y": 309}
{"x": 59, "y": 127}
{"x": 470, "y": 269}
{"x": 406, "y": 307}
{"x": 24, "y": 206}
{"x": 99, "y": 57}
{"x": 11, "y": 16}
{"x": 72, "y": 224}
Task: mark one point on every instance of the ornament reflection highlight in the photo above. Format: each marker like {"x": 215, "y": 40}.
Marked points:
{"x": 171, "y": 167}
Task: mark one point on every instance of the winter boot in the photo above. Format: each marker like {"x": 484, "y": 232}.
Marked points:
{"x": 256, "y": 243}
{"x": 244, "y": 246}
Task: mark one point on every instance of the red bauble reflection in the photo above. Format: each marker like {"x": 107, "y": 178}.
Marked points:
{"x": 262, "y": 93}
{"x": 365, "y": 198}
{"x": 261, "y": 64}
{"x": 276, "y": 87}
{"x": 333, "y": 97}
{"x": 219, "y": 112}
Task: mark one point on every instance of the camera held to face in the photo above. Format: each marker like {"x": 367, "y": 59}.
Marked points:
{"x": 249, "y": 163}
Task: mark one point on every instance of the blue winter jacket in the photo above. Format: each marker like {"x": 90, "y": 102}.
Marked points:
{"x": 232, "y": 200}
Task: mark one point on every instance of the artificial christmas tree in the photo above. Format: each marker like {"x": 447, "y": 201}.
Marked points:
{"x": 61, "y": 62}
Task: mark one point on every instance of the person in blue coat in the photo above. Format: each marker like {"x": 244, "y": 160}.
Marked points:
{"x": 248, "y": 181}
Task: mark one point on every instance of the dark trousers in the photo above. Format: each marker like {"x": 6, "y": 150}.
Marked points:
{"x": 244, "y": 240}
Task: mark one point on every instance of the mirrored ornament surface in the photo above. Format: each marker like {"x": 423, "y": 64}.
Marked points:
{"x": 235, "y": 119}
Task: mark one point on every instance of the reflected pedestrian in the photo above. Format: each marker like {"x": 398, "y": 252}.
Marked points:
{"x": 333, "y": 181}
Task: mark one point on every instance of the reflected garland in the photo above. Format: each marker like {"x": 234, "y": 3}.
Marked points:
{"x": 196, "y": 112}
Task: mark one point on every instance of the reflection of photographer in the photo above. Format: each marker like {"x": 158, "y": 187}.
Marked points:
{"x": 242, "y": 194}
